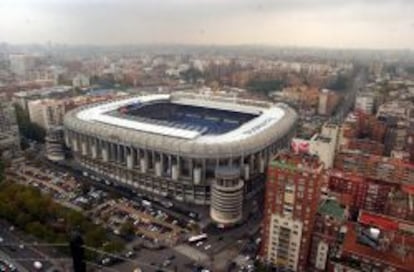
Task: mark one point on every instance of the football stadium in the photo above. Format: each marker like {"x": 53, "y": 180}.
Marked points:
{"x": 202, "y": 149}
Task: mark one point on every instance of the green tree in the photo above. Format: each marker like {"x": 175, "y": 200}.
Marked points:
{"x": 127, "y": 229}
{"x": 1, "y": 170}
{"x": 113, "y": 246}
{"x": 264, "y": 86}
{"x": 94, "y": 236}
{"x": 191, "y": 75}
{"x": 341, "y": 83}
{"x": 40, "y": 216}
{"x": 22, "y": 219}
{"x": 38, "y": 230}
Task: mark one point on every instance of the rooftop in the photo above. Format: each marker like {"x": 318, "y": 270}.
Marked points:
{"x": 297, "y": 162}
{"x": 261, "y": 118}
{"x": 352, "y": 246}
{"x": 332, "y": 208}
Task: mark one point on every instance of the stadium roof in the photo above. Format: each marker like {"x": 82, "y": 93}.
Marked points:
{"x": 266, "y": 118}
{"x": 270, "y": 124}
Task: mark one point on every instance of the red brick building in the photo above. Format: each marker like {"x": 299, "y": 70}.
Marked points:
{"x": 376, "y": 243}
{"x": 329, "y": 221}
{"x": 359, "y": 192}
{"x": 292, "y": 195}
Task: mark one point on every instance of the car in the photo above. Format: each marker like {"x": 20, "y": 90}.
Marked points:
{"x": 106, "y": 261}
{"x": 172, "y": 257}
{"x": 130, "y": 254}
{"x": 37, "y": 265}
{"x": 6, "y": 266}
{"x": 1, "y": 239}
{"x": 207, "y": 247}
{"x": 136, "y": 247}
{"x": 12, "y": 267}
{"x": 166, "y": 263}
{"x": 199, "y": 244}
{"x": 12, "y": 248}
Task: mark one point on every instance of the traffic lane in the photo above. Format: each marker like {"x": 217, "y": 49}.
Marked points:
{"x": 5, "y": 257}
{"x": 219, "y": 239}
{"x": 25, "y": 256}
{"x": 346, "y": 105}
{"x": 11, "y": 246}
{"x": 154, "y": 259}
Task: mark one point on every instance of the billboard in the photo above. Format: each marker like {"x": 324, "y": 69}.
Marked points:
{"x": 300, "y": 145}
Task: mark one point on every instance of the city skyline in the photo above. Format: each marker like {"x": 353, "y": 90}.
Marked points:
{"x": 318, "y": 23}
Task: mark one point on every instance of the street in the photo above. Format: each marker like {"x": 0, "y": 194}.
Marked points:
{"x": 349, "y": 98}
{"x": 25, "y": 251}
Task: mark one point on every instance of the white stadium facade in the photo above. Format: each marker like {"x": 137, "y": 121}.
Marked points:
{"x": 208, "y": 150}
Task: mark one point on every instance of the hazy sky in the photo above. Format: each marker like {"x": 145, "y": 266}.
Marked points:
{"x": 329, "y": 23}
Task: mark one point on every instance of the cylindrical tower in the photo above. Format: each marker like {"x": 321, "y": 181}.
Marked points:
{"x": 54, "y": 144}
{"x": 227, "y": 197}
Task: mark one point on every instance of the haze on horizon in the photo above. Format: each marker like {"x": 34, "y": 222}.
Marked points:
{"x": 323, "y": 23}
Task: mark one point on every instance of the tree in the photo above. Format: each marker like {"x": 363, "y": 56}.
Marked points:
{"x": 1, "y": 170}
{"x": 341, "y": 83}
{"x": 113, "y": 246}
{"x": 127, "y": 229}
{"x": 191, "y": 75}
{"x": 94, "y": 237}
{"x": 264, "y": 86}
{"x": 37, "y": 214}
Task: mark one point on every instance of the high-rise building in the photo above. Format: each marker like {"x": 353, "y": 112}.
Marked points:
{"x": 323, "y": 145}
{"x": 46, "y": 112}
{"x": 80, "y": 81}
{"x": 9, "y": 130}
{"x": 329, "y": 221}
{"x": 365, "y": 102}
{"x": 293, "y": 190}
{"x": 359, "y": 192}
{"x": 54, "y": 144}
{"x": 20, "y": 64}
{"x": 375, "y": 167}
{"x": 328, "y": 100}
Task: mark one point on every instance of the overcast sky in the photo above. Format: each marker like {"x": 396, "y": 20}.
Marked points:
{"x": 327, "y": 23}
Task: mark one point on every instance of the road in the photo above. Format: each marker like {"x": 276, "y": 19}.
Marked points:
{"x": 349, "y": 99}
{"x": 7, "y": 258}
{"x": 32, "y": 250}
{"x": 221, "y": 242}
{"x": 154, "y": 259}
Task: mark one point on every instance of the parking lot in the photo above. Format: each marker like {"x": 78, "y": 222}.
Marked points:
{"x": 62, "y": 186}
{"x": 142, "y": 219}
{"x": 159, "y": 229}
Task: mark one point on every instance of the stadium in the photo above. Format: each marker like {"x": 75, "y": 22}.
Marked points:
{"x": 208, "y": 150}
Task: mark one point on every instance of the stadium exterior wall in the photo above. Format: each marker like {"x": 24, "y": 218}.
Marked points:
{"x": 174, "y": 167}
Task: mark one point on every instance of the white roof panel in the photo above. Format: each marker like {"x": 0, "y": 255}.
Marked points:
{"x": 267, "y": 118}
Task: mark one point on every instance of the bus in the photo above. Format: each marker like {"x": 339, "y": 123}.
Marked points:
{"x": 197, "y": 238}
